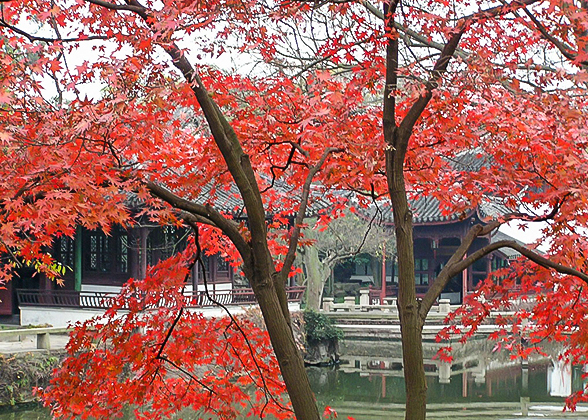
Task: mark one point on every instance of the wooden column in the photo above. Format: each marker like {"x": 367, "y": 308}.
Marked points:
{"x": 464, "y": 280}
{"x": 78, "y": 259}
{"x": 383, "y": 292}
{"x": 143, "y": 233}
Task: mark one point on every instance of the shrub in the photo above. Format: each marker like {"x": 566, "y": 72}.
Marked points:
{"x": 319, "y": 328}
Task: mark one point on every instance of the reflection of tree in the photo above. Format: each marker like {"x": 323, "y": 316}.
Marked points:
{"x": 345, "y": 237}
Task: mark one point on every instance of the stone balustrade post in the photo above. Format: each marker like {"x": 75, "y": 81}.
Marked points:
{"x": 444, "y": 371}
{"x": 444, "y": 306}
{"x": 364, "y": 297}
{"x": 328, "y": 304}
{"x": 349, "y": 302}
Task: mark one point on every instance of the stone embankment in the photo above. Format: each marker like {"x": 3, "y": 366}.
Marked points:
{"x": 384, "y": 325}
{"x": 28, "y": 357}
{"x": 22, "y": 372}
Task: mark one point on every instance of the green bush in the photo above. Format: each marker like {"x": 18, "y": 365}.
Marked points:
{"x": 318, "y": 328}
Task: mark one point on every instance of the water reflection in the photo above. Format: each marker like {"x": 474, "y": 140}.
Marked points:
{"x": 25, "y": 413}
{"x": 479, "y": 379}
{"x": 479, "y": 383}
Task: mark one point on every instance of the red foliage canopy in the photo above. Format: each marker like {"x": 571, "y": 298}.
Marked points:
{"x": 97, "y": 107}
{"x": 152, "y": 353}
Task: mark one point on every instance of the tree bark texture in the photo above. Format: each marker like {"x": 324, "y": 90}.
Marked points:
{"x": 289, "y": 358}
{"x": 396, "y": 139}
{"x": 411, "y": 323}
{"x": 317, "y": 275}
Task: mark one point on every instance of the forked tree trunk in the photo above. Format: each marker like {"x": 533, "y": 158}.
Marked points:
{"x": 396, "y": 138}
{"x": 289, "y": 358}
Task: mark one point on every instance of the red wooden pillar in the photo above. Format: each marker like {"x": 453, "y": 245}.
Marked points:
{"x": 383, "y": 291}
{"x": 6, "y": 299}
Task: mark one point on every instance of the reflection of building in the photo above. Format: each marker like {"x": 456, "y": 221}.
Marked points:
{"x": 559, "y": 378}
{"x": 477, "y": 375}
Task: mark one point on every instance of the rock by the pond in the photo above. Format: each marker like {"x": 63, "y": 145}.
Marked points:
{"x": 323, "y": 353}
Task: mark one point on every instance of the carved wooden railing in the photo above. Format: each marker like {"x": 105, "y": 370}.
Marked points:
{"x": 98, "y": 300}
{"x": 392, "y": 292}
{"x": 64, "y": 298}
{"x": 236, "y": 297}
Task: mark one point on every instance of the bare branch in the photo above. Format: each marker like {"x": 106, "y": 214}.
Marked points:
{"x": 125, "y": 7}
{"x": 295, "y": 235}
{"x": 33, "y": 38}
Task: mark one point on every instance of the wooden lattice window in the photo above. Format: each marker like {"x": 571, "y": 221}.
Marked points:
{"x": 64, "y": 251}
{"x": 421, "y": 271}
{"x": 106, "y": 254}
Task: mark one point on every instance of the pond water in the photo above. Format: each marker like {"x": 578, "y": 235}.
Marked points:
{"x": 480, "y": 383}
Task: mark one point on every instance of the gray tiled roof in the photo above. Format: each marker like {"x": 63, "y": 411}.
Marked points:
{"x": 469, "y": 160}
{"x": 285, "y": 199}
{"x": 510, "y": 253}
{"x": 428, "y": 209}
{"x": 228, "y": 200}
{"x": 425, "y": 210}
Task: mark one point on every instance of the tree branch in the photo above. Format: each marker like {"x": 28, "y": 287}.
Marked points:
{"x": 407, "y": 124}
{"x": 525, "y": 217}
{"x": 561, "y": 46}
{"x": 295, "y": 235}
{"x": 237, "y": 160}
{"x": 33, "y": 38}
{"x": 444, "y": 276}
{"x": 137, "y": 8}
{"x": 530, "y": 254}
{"x": 411, "y": 33}
{"x": 203, "y": 214}
{"x": 458, "y": 262}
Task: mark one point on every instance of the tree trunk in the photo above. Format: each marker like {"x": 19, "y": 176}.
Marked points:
{"x": 412, "y": 356}
{"x": 289, "y": 358}
{"x": 408, "y": 307}
{"x": 317, "y": 275}
{"x": 396, "y": 139}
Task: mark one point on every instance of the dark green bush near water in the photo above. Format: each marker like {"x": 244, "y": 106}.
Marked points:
{"x": 319, "y": 328}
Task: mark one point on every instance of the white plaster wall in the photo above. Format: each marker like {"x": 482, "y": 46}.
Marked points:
{"x": 95, "y": 288}
{"x": 217, "y": 286}
{"x": 57, "y": 317}
{"x": 62, "y": 317}
{"x": 216, "y": 311}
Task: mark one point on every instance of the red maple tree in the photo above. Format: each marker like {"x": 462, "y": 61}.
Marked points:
{"x": 508, "y": 81}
